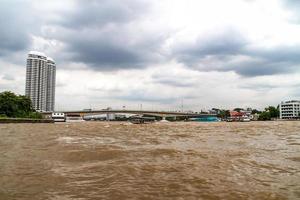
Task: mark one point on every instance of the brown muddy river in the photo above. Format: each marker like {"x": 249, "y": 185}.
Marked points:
{"x": 101, "y": 160}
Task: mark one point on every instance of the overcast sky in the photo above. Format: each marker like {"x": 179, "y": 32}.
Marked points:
{"x": 158, "y": 53}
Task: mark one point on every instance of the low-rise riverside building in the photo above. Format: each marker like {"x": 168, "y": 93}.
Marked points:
{"x": 289, "y": 109}
{"x": 238, "y": 116}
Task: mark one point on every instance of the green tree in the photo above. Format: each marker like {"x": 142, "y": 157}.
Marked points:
{"x": 265, "y": 115}
{"x": 12, "y": 105}
{"x": 224, "y": 114}
{"x": 269, "y": 113}
{"x": 274, "y": 112}
{"x": 8, "y": 104}
{"x": 255, "y": 111}
{"x": 238, "y": 109}
{"x": 35, "y": 115}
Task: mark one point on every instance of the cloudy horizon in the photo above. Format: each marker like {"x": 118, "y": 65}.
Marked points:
{"x": 158, "y": 54}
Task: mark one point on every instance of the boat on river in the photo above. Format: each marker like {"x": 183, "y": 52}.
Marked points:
{"x": 58, "y": 117}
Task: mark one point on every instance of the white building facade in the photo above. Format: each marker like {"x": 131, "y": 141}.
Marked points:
{"x": 289, "y": 109}
{"x": 51, "y": 77}
{"x": 40, "y": 81}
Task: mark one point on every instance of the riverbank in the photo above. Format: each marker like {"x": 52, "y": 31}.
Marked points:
{"x": 24, "y": 120}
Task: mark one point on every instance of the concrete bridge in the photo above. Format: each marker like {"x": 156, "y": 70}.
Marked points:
{"x": 162, "y": 114}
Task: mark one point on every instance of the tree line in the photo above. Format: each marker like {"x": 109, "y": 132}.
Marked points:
{"x": 16, "y": 106}
{"x": 269, "y": 113}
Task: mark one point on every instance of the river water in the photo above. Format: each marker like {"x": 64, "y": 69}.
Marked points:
{"x": 102, "y": 160}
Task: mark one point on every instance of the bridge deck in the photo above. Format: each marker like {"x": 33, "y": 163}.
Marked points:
{"x": 147, "y": 112}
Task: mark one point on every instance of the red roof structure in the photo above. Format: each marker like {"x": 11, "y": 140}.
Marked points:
{"x": 236, "y": 114}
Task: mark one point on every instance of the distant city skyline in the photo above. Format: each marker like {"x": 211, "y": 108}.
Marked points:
{"x": 161, "y": 54}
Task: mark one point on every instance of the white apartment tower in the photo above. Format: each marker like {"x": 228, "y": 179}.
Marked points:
{"x": 40, "y": 81}
{"x": 289, "y": 109}
{"x": 51, "y": 74}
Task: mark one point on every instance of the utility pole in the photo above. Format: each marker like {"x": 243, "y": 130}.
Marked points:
{"x": 181, "y": 105}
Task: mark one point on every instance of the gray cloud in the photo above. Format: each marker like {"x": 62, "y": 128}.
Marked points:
{"x": 277, "y": 60}
{"x": 106, "y": 41}
{"x": 259, "y": 69}
{"x": 283, "y": 53}
{"x": 114, "y": 50}
{"x": 230, "y": 42}
{"x": 268, "y": 86}
{"x": 103, "y": 35}
{"x": 100, "y": 13}
{"x": 175, "y": 83}
{"x": 109, "y": 35}
{"x": 184, "y": 82}
{"x": 221, "y": 53}
{"x": 15, "y": 26}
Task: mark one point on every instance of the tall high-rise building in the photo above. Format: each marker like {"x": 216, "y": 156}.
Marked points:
{"x": 40, "y": 81}
{"x": 51, "y": 74}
